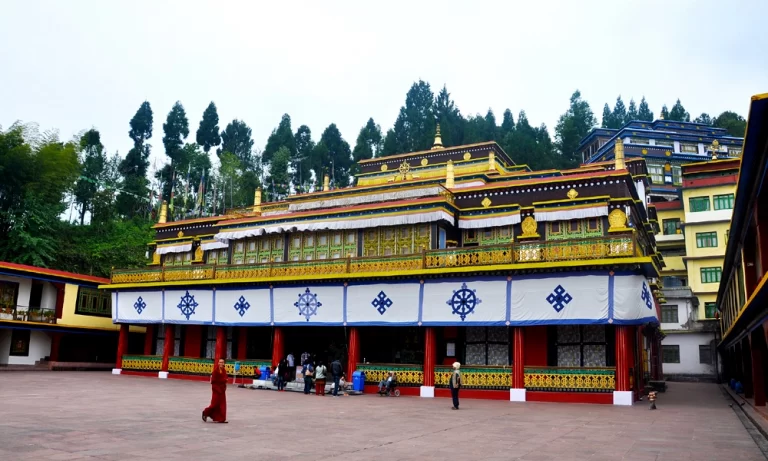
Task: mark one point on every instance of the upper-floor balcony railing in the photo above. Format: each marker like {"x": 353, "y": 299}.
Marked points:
{"x": 608, "y": 247}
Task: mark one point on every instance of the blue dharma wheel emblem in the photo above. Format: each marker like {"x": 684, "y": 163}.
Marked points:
{"x": 646, "y": 296}
{"x": 307, "y": 304}
{"x": 463, "y": 301}
{"x": 381, "y": 302}
{"x": 242, "y": 305}
{"x": 559, "y": 298}
{"x": 187, "y": 305}
{"x": 140, "y": 305}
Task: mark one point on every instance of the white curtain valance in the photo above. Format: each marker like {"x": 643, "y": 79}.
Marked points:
{"x": 578, "y": 213}
{"x": 213, "y": 245}
{"x": 370, "y": 198}
{"x": 489, "y": 222}
{"x": 412, "y": 218}
{"x": 181, "y": 248}
{"x": 463, "y": 185}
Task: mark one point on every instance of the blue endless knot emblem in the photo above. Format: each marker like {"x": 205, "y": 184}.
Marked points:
{"x": 242, "y": 305}
{"x": 463, "y": 301}
{"x": 307, "y": 304}
{"x": 140, "y": 305}
{"x": 381, "y": 302}
{"x": 646, "y": 296}
{"x": 187, "y": 305}
{"x": 559, "y": 298}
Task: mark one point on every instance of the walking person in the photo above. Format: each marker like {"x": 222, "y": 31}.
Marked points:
{"x": 336, "y": 372}
{"x": 320, "y": 372}
{"x": 280, "y": 373}
{"x": 217, "y": 410}
{"x": 291, "y": 367}
{"x": 307, "y": 371}
{"x": 455, "y": 384}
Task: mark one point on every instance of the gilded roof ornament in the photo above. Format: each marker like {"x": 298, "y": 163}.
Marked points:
{"x": 438, "y": 139}
{"x": 572, "y": 194}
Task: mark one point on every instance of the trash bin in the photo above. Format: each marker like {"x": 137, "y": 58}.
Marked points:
{"x": 358, "y": 381}
{"x": 265, "y": 373}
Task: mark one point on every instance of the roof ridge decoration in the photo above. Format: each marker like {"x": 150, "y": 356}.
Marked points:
{"x": 438, "y": 139}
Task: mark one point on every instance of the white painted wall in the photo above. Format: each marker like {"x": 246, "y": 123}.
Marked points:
{"x": 25, "y": 287}
{"x": 684, "y": 308}
{"x": 689, "y": 354}
{"x": 39, "y": 348}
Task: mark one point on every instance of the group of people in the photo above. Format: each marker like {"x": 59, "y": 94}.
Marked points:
{"x": 311, "y": 370}
{"x": 314, "y": 373}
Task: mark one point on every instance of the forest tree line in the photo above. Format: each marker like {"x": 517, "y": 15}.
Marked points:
{"x": 72, "y": 206}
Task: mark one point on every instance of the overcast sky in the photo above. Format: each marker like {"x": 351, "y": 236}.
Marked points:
{"x": 73, "y": 65}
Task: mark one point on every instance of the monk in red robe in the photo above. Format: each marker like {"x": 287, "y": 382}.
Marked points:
{"x": 217, "y": 410}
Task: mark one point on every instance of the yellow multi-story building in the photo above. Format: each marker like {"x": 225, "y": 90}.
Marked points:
{"x": 693, "y": 238}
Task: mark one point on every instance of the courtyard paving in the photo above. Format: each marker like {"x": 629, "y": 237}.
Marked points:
{"x": 97, "y": 416}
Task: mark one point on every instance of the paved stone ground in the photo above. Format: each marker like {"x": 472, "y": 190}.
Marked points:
{"x": 97, "y": 416}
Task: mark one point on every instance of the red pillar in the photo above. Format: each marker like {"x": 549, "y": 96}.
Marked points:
{"x": 221, "y": 343}
{"x": 168, "y": 345}
{"x": 518, "y": 358}
{"x": 354, "y": 352}
{"x": 122, "y": 345}
{"x": 277, "y": 346}
{"x": 758, "y": 386}
{"x": 430, "y": 356}
{"x": 622, "y": 358}
{"x": 149, "y": 338}
{"x": 55, "y": 345}
{"x": 242, "y": 343}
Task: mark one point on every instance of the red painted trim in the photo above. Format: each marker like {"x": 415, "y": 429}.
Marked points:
{"x": 148, "y": 374}
{"x": 605, "y": 398}
{"x": 714, "y": 181}
{"x": 474, "y": 394}
{"x": 52, "y": 272}
{"x": 673, "y": 205}
{"x": 207, "y": 379}
{"x": 371, "y": 389}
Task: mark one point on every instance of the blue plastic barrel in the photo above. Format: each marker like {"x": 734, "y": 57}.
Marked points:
{"x": 358, "y": 381}
{"x": 266, "y": 371}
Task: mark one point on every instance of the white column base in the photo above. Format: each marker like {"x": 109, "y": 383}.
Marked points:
{"x": 427, "y": 391}
{"x": 162, "y": 374}
{"x": 623, "y": 398}
{"x": 517, "y": 395}
{"x": 117, "y": 371}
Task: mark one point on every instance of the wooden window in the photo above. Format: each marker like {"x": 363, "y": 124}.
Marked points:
{"x": 709, "y": 310}
{"x": 670, "y": 354}
{"x": 689, "y": 148}
{"x": 669, "y": 314}
{"x": 92, "y": 302}
{"x": 706, "y": 240}
{"x": 705, "y": 354}
{"x": 723, "y": 202}
{"x": 711, "y": 274}
{"x": 671, "y": 226}
{"x": 8, "y": 293}
{"x": 698, "y": 204}
{"x": 20, "y": 343}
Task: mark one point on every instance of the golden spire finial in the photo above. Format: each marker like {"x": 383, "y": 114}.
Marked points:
{"x": 438, "y": 140}
{"x": 618, "y": 150}
{"x": 163, "y": 213}
{"x": 715, "y": 147}
{"x": 449, "y": 175}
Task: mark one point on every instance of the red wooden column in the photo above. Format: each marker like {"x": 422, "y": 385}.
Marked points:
{"x": 56, "y": 344}
{"x": 168, "y": 346}
{"x": 122, "y": 346}
{"x": 149, "y": 338}
{"x": 354, "y": 352}
{"x": 221, "y": 343}
{"x": 277, "y": 346}
{"x": 430, "y": 357}
{"x": 242, "y": 343}
{"x": 623, "y": 394}
{"x": 758, "y": 386}
{"x": 517, "y": 392}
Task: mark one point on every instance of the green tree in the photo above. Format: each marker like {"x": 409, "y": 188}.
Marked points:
{"x": 491, "y": 130}
{"x": 176, "y": 129}
{"x": 678, "y": 113}
{"x": 619, "y": 114}
{"x": 703, "y": 118}
{"x": 332, "y": 155}
{"x": 301, "y": 164}
{"x": 530, "y": 146}
{"x": 389, "y": 147}
{"x": 93, "y": 161}
{"x": 281, "y": 136}
{"x": 664, "y": 112}
{"x": 278, "y": 181}
{"x": 104, "y": 210}
{"x": 607, "y": 117}
{"x": 207, "y": 134}
{"x": 507, "y": 124}
{"x": 133, "y": 195}
{"x": 571, "y": 128}
{"x": 415, "y": 125}
{"x": 644, "y": 112}
{"x": 450, "y": 119}
{"x": 733, "y": 122}
{"x": 631, "y": 112}
{"x": 236, "y": 139}
{"x": 368, "y": 144}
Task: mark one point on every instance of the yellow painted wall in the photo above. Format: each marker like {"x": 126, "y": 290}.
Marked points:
{"x": 69, "y": 318}
{"x": 691, "y": 230}
{"x": 673, "y": 264}
{"x": 669, "y": 214}
{"x": 706, "y": 191}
